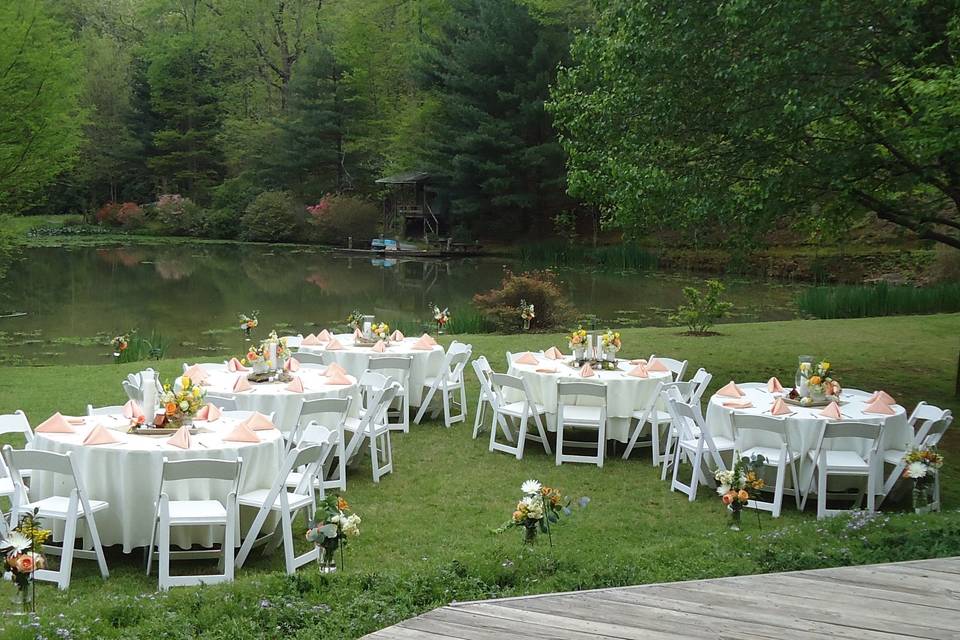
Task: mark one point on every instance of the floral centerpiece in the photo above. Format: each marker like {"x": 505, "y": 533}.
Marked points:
{"x": 248, "y": 322}
{"x": 181, "y": 401}
{"x": 334, "y": 522}
{"x": 578, "y": 343}
{"x": 527, "y": 313}
{"x": 20, "y": 549}
{"x": 815, "y": 382}
{"x": 611, "y": 342}
{"x": 539, "y": 507}
{"x": 735, "y": 485}
{"x": 921, "y": 466}
{"x": 355, "y": 319}
{"x": 440, "y": 317}
{"x": 381, "y": 331}
{"x": 120, "y": 344}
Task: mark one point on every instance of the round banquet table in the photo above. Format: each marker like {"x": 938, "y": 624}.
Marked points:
{"x": 355, "y": 359}
{"x": 127, "y": 475}
{"x": 803, "y": 426}
{"x": 273, "y": 397}
{"x": 625, "y": 394}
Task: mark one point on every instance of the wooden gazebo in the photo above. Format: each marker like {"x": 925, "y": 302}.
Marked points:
{"x": 407, "y": 209}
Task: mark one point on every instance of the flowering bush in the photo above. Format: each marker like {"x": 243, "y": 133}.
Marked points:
{"x": 337, "y": 217}
{"x": 537, "y": 289}
{"x": 126, "y": 214}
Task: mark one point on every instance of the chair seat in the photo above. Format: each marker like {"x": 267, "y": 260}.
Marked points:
{"x": 6, "y": 487}
{"x": 720, "y": 442}
{"x": 449, "y": 384}
{"x": 515, "y": 409}
{"x": 353, "y": 426}
{"x": 581, "y": 416}
{"x": 660, "y": 417}
{"x": 185, "y": 512}
{"x": 258, "y": 497}
{"x": 890, "y": 456}
{"x": 57, "y": 507}
{"x": 840, "y": 461}
{"x": 770, "y": 454}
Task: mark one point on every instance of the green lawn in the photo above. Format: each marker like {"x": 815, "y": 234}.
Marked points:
{"x": 427, "y": 535}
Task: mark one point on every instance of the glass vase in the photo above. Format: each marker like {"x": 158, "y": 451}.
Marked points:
{"x": 326, "y": 559}
{"x": 800, "y": 380}
{"x": 921, "y": 499}
{"x": 23, "y": 601}
{"x": 530, "y": 535}
{"x": 735, "y": 519}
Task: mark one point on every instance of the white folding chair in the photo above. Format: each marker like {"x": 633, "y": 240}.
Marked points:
{"x": 588, "y": 417}
{"x": 309, "y": 358}
{"x": 16, "y": 422}
{"x": 225, "y": 402}
{"x": 929, "y": 424}
{"x": 486, "y": 397}
{"x": 776, "y": 452}
{"x": 109, "y": 410}
{"x": 293, "y": 342}
{"x": 190, "y": 513}
{"x": 844, "y": 462}
{"x": 521, "y": 410}
{"x": 656, "y": 418}
{"x": 310, "y": 457}
{"x": 322, "y": 420}
{"x": 372, "y": 426}
{"x": 677, "y": 367}
{"x": 398, "y": 369}
{"x": 71, "y": 509}
{"x": 448, "y": 383}
{"x": 695, "y": 443}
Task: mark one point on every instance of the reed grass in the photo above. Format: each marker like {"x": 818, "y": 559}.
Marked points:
{"x": 858, "y": 301}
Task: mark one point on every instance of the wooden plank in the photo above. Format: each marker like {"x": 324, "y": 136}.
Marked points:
{"x": 877, "y": 579}
{"x": 400, "y": 632}
{"x": 463, "y": 623}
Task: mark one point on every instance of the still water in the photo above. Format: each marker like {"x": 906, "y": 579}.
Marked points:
{"x": 75, "y": 299}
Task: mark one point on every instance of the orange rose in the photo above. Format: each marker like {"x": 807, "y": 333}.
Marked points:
{"x": 743, "y": 496}
{"x": 24, "y": 563}
{"x": 171, "y": 408}
{"x": 342, "y": 504}
{"x": 251, "y": 356}
{"x": 814, "y": 380}
{"x": 727, "y": 498}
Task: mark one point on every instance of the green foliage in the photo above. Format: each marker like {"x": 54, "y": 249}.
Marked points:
{"x": 703, "y": 308}
{"x": 539, "y": 288}
{"x": 744, "y": 116}
{"x": 852, "y": 301}
{"x": 9, "y": 240}
{"x": 336, "y": 217}
{"x": 142, "y": 348}
{"x": 273, "y": 216}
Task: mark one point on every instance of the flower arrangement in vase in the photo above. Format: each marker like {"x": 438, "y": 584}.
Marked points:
{"x": 577, "y": 341}
{"x": 380, "y": 331}
{"x": 539, "y": 507}
{"x": 20, "y": 549}
{"x": 181, "y": 401}
{"x": 611, "y": 343}
{"x": 440, "y": 316}
{"x": 921, "y": 466}
{"x": 815, "y": 382}
{"x": 355, "y": 319}
{"x": 334, "y": 522}
{"x": 120, "y": 344}
{"x": 248, "y": 323}
{"x": 527, "y": 313}
{"x": 735, "y": 485}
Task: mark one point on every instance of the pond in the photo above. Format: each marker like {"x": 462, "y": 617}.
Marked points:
{"x": 75, "y": 299}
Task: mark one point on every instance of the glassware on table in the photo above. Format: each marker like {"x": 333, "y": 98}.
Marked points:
{"x": 804, "y": 365}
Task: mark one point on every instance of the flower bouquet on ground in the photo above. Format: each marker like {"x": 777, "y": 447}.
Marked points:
{"x": 736, "y": 484}
{"x": 20, "y": 549}
{"x": 440, "y": 316}
{"x": 181, "y": 401}
{"x": 334, "y": 523}
{"x": 540, "y": 507}
{"x": 120, "y": 344}
{"x": 248, "y": 323}
{"x": 921, "y": 467}
{"x": 527, "y": 313}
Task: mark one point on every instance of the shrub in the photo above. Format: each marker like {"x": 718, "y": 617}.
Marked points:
{"x": 703, "y": 308}
{"x": 273, "y": 216}
{"x": 216, "y": 223}
{"x": 337, "y": 217}
{"x": 127, "y": 214}
{"x": 946, "y": 265}
{"x": 539, "y": 288}
{"x": 176, "y": 214}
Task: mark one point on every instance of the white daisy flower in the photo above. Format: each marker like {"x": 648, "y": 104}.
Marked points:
{"x": 917, "y": 470}
{"x": 530, "y": 486}
{"x": 16, "y": 543}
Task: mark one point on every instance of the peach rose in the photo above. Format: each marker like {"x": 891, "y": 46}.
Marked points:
{"x": 727, "y": 498}
{"x": 743, "y": 496}
{"x": 24, "y": 563}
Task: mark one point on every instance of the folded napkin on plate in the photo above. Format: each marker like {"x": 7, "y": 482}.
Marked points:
{"x": 379, "y": 347}
{"x": 656, "y": 365}
{"x": 196, "y": 373}
{"x": 774, "y": 386}
{"x": 639, "y": 371}
{"x": 428, "y": 339}
{"x": 258, "y": 422}
{"x": 546, "y": 370}
{"x": 181, "y": 439}
{"x": 586, "y": 371}
{"x": 553, "y": 354}
{"x": 738, "y": 404}
{"x": 235, "y": 365}
{"x": 422, "y": 344}
{"x": 209, "y": 412}
{"x": 335, "y": 369}
{"x": 100, "y": 435}
{"x": 55, "y": 424}
{"x": 324, "y": 336}
{"x": 642, "y": 361}
{"x": 780, "y": 408}
{"x": 292, "y": 365}
{"x": 883, "y": 397}
{"x": 242, "y": 384}
{"x": 296, "y": 385}
{"x": 526, "y": 358}
{"x": 338, "y": 378}
{"x": 132, "y": 410}
{"x": 334, "y": 345}
{"x": 241, "y": 433}
{"x": 358, "y": 334}
{"x": 311, "y": 341}
{"x": 832, "y": 410}
{"x": 730, "y": 390}
{"x": 396, "y": 336}
{"x": 879, "y": 406}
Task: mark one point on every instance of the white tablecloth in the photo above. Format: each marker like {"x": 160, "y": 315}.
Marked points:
{"x": 127, "y": 475}
{"x": 803, "y": 427}
{"x": 425, "y": 364}
{"x": 625, "y": 394}
{"x": 273, "y": 397}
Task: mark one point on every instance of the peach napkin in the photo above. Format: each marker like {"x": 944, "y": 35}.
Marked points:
{"x": 639, "y": 371}
{"x": 235, "y": 365}
{"x": 379, "y": 347}
{"x": 100, "y": 435}
{"x": 422, "y": 344}
{"x": 774, "y": 386}
{"x": 242, "y": 384}
{"x": 258, "y": 422}
{"x": 586, "y": 371}
{"x": 780, "y": 407}
{"x": 730, "y": 390}
{"x": 334, "y": 345}
{"x": 546, "y": 370}
{"x": 241, "y": 433}
{"x": 553, "y": 353}
{"x": 55, "y": 424}
{"x": 396, "y": 336}
{"x": 428, "y": 339}
{"x": 656, "y": 365}
{"x": 738, "y": 404}
{"x": 181, "y": 438}
{"x": 196, "y": 373}
{"x": 642, "y": 361}
{"x": 338, "y": 378}
{"x": 209, "y": 412}
{"x": 132, "y": 410}
{"x": 879, "y": 406}
{"x": 832, "y": 410}
{"x": 311, "y": 340}
{"x": 526, "y": 358}
{"x": 335, "y": 369}
{"x": 358, "y": 334}
{"x": 292, "y": 365}
{"x": 324, "y": 336}
{"x": 883, "y": 397}
{"x": 296, "y": 385}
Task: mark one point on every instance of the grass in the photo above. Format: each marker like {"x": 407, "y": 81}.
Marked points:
{"x": 427, "y": 527}
{"x": 852, "y": 301}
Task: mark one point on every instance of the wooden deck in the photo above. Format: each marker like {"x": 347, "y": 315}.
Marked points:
{"x": 918, "y": 599}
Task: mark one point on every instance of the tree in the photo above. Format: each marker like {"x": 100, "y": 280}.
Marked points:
{"x": 40, "y": 121}
{"x": 732, "y": 114}
{"x": 494, "y": 143}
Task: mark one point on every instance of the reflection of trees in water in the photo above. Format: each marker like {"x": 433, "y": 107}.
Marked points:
{"x": 125, "y": 256}
{"x": 174, "y": 269}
